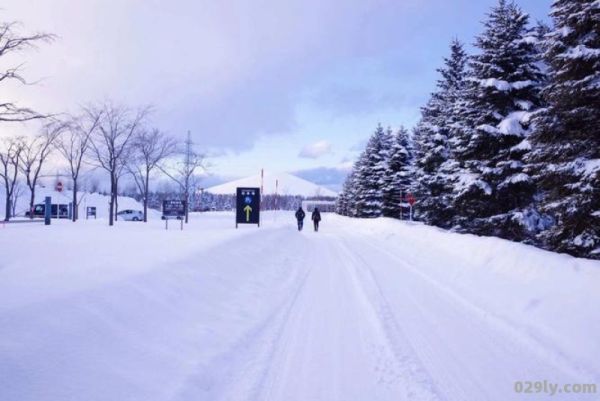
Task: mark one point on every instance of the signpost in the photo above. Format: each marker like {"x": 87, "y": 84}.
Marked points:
{"x": 48, "y": 210}
{"x": 90, "y": 211}
{"x": 59, "y": 186}
{"x": 247, "y": 206}
{"x": 411, "y": 201}
{"x": 173, "y": 209}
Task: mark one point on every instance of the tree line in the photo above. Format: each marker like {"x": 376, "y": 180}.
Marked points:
{"x": 107, "y": 136}
{"x": 508, "y": 144}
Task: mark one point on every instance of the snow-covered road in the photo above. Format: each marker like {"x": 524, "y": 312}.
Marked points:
{"x": 376, "y": 310}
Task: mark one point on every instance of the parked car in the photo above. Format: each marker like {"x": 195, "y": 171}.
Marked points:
{"x": 57, "y": 211}
{"x": 131, "y": 215}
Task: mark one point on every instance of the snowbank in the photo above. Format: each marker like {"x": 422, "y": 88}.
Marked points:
{"x": 555, "y": 296}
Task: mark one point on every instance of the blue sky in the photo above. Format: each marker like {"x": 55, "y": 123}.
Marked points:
{"x": 284, "y": 85}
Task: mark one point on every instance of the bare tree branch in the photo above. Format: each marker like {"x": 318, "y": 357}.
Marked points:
{"x": 112, "y": 139}
{"x": 11, "y": 41}
{"x": 151, "y": 148}
{"x": 35, "y": 152}
{"x": 184, "y": 171}
{"x": 10, "y": 157}
{"x": 74, "y": 146}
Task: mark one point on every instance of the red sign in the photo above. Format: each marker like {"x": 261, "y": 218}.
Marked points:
{"x": 411, "y": 199}
{"x": 59, "y": 186}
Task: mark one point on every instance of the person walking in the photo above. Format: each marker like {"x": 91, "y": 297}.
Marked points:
{"x": 300, "y": 217}
{"x": 316, "y": 218}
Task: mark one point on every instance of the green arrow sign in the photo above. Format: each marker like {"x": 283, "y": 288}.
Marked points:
{"x": 247, "y": 209}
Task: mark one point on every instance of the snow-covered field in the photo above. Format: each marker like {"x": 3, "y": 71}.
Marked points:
{"x": 362, "y": 310}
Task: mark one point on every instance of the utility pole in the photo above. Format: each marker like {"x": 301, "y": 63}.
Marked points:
{"x": 188, "y": 154}
{"x": 262, "y": 185}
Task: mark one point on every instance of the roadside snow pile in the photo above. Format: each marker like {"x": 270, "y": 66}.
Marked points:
{"x": 554, "y": 296}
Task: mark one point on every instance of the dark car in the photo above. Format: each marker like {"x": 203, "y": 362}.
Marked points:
{"x": 57, "y": 211}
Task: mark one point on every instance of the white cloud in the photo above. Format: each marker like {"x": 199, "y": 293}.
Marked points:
{"x": 315, "y": 150}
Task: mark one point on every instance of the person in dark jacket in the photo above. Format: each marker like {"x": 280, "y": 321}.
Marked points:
{"x": 316, "y": 217}
{"x": 300, "y": 217}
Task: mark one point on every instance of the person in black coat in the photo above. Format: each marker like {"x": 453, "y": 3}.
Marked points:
{"x": 316, "y": 217}
{"x": 300, "y": 217}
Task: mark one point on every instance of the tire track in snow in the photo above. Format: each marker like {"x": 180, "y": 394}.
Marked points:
{"x": 379, "y": 370}
{"x": 415, "y": 374}
{"x": 237, "y": 373}
{"x": 271, "y": 340}
{"x": 530, "y": 359}
{"x": 552, "y": 355}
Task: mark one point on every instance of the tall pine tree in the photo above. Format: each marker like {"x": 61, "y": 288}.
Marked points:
{"x": 566, "y": 141}
{"x": 399, "y": 175}
{"x": 493, "y": 195}
{"x": 370, "y": 174}
{"x": 345, "y": 203}
{"x": 433, "y": 158}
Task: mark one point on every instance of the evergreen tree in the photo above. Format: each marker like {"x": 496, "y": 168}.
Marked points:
{"x": 345, "y": 201}
{"x": 370, "y": 174}
{"x": 566, "y": 141}
{"x": 493, "y": 195}
{"x": 434, "y": 166}
{"x": 398, "y": 177}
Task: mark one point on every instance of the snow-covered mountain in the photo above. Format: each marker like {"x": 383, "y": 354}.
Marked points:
{"x": 280, "y": 183}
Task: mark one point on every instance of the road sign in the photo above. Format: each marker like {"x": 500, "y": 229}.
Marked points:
{"x": 90, "y": 211}
{"x": 247, "y": 206}
{"x": 173, "y": 209}
{"x": 59, "y": 186}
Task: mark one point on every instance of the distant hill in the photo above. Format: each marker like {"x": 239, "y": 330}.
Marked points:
{"x": 287, "y": 184}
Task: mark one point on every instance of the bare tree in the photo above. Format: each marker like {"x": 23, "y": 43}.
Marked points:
{"x": 9, "y": 169}
{"x": 14, "y": 199}
{"x": 74, "y": 145}
{"x": 110, "y": 143}
{"x": 35, "y": 153}
{"x": 121, "y": 172}
{"x": 11, "y": 41}
{"x": 183, "y": 173}
{"x": 151, "y": 147}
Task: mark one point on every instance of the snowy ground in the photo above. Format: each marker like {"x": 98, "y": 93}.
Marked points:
{"x": 363, "y": 310}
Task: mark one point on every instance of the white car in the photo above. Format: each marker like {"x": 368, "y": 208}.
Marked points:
{"x": 130, "y": 215}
